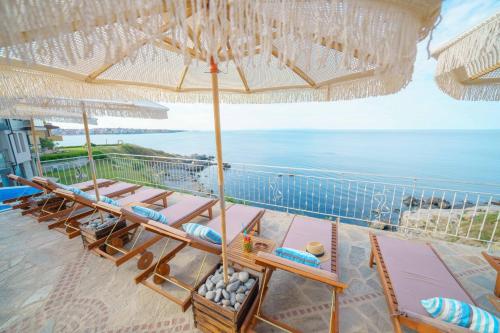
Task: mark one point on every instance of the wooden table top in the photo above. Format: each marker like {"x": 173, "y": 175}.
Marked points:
{"x": 492, "y": 260}
{"x": 247, "y": 259}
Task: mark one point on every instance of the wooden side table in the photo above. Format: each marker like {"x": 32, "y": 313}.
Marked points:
{"x": 247, "y": 259}
{"x": 495, "y": 264}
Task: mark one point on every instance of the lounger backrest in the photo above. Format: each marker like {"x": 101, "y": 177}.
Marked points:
{"x": 238, "y": 217}
{"x": 179, "y": 212}
{"x": 25, "y": 181}
{"x": 44, "y": 182}
{"x": 115, "y": 189}
{"x": 142, "y": 196}
{"x": 416, "y": 273}
{"x": 68, "y": 195}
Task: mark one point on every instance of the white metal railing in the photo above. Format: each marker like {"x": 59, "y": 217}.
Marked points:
{"x": 450, "y": 209}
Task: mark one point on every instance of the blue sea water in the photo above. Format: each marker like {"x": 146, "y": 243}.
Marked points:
{"x": 468, "y": 155}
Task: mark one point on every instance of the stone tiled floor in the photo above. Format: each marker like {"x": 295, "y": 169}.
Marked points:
{"x": 51, "y": 284}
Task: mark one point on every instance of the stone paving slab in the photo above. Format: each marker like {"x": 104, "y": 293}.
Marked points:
{"x": 49, "y": 283}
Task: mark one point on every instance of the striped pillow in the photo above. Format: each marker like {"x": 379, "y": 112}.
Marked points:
{"x": 150, "y": 214}
{"x": 301, "y": 257}
{"x": 86, "y": 195}
{"x": 74, "y": 190}
{"x": 461, "y": 314}
{"x": 202, "y": 232}
{"x": 109, "y": 200}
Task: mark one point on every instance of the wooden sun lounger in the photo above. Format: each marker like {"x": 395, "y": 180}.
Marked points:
{"x": 37, "y": 204}
{"x": 51, "y": 210}
{"x": 114, "y": 190}
{"x": 177, "y": 214}
{"x": 302, "y": 230}
{"x": 22, "y": 201}
{"x": 82, "y": 207}
{"x": 238, "y": 217}
{"x": 410, "y": 272}
{"x": 112, "y": 244}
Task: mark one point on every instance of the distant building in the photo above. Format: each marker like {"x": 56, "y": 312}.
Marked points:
{"x": 16, "y": 145}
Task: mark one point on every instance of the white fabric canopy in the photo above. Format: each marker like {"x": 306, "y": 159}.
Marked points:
{"x": 468, "y": 67}
{"x": 44, "y": 108}
{"x": 267, "y": 51}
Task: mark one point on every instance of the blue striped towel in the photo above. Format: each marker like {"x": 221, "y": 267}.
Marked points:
{"x": 461, "y": 314}
{"x": 202, "y": 232}
{"x": 150, "y": 214}
{"x": 301, "y": 257}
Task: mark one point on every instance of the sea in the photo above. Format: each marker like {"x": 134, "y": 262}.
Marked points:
{"x": 464, "y": 155}
{"x": 360, "y": 175}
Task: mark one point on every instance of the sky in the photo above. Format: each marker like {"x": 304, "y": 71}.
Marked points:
{"x": 421, "y": 105}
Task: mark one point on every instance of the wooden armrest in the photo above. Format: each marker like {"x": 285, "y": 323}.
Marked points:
{"x": 442, "y": 326}
{"x": 142, "y": 204}
{"x": 108, "y": 208}
{"x": 168, "y": 231}
{"x": 273, "y": 261}
{"x": 13, "y": 177}
{"x": 492, "y": 260}
{"x": 64, "y": 193}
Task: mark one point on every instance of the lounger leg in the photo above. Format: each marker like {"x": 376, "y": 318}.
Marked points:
{"x": 164, "y": 202}
{"x": 334, "y": 313}
{"x": 210, "y": 213}
{"x": 372, "y": 258}
{"x": 262, "y": 292}
{"x": 497, "y": 285}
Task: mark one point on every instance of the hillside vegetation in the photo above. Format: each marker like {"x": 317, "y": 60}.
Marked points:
{"x": 126, "y": 148}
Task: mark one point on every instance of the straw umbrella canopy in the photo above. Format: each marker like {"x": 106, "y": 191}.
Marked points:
{"x": 468, "y": 67}
{"x": 265, "y": 51}
{"x": 269, "y": 51}
{"x": 60, "y": 109}
{"x": 11, "y": 109}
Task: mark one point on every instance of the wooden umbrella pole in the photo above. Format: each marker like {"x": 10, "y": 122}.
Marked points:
{"x": 35, "y": 145}
{"x": 220, "y": 166}
{"x": 89, "y": 151}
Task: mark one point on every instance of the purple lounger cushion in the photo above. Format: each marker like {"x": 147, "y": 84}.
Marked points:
{"x": 238, "y": 217}
{"x": 113, "y": 190}
{"x": 89, "y": 183}
{"x": 417, "y": 273}
{"x": 306, "y": 229}
{"x": 180, "y": 211}
{"x": 141, "y": 196}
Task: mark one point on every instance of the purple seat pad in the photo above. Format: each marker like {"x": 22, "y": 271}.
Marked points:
{"x": 89, "y": 183}
{"x": 417, "y": 273}
{"x": 238, "y": 217}
{"x": 178, "y": 212}
{"x": 304, "y": 230}
{"x": 113, "y": 190}
{"x": 141, "y": 196}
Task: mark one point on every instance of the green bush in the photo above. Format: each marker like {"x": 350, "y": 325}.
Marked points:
{"x": 47, "y": 143}
{"x": 70, "y": 154}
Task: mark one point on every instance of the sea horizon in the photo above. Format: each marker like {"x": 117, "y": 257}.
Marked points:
{"x": 466, "y": 155}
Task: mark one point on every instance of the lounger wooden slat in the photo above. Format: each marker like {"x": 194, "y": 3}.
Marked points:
{"x": 411, "y": 272}
{"x": 301, "y": 231}
{"x": 177, "y": 214}
{"x": 238, "y": 217}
